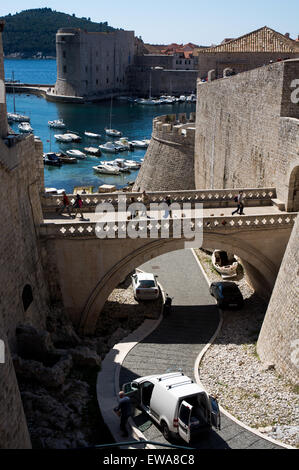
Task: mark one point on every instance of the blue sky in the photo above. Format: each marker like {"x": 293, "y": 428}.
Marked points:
{"x": 202, "y": 22}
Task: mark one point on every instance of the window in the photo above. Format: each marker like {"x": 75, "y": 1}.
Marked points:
{"x": 64, "y": 69}
{"x": 97, "y": 68}
{"x": 86, "y": 68}
{"x": 27, "y": 297}
{"x": 97, "y": 82}
{"x": 63, "y": 54}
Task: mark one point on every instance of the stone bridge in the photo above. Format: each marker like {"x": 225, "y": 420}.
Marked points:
{"x": 86, "y": 259}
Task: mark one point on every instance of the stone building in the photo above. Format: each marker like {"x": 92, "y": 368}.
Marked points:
{"x": 92, "y": 64}
{"x": 96, "y": 65}
{"x": 247, "y": 52}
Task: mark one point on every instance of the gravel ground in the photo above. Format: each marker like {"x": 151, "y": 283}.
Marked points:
{"x": 251, "y": 391}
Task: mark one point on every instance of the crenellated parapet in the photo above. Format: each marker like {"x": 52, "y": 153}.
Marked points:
{"x": 169, "y": 160}
{"x": 179, "y": 129}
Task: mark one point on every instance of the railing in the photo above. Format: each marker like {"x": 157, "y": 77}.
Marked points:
{"x": 167, "y": 228}
{"x": 209, "y": 198}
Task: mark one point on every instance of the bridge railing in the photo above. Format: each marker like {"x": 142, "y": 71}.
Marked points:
{"x": 209, "y": 198}
{"x": 162, "y": 227}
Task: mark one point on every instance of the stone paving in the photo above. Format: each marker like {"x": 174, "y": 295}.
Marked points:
{"x": 179, "y": 339}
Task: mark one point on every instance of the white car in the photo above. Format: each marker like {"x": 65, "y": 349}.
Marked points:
{"x": 145, "y": 286}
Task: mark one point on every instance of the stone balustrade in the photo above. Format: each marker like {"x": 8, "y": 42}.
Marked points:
{"x": 209, "y": 198}
{"x": 165, "y": 228}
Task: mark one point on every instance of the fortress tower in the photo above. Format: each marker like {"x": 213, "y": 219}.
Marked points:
{"x": 92, "y": 64}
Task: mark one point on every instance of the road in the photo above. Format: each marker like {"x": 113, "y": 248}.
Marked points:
{"x": 177, "y": 342}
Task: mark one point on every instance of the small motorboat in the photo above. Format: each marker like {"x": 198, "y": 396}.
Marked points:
{"x": 106, "y": 169}
{"x": 132, "y": 164}
{"x": 16, "y": 117}
{"x": 65, "y": 158}
{"x": 142, "y": 144}
{"x": 51, "y": 159}
{"x": 93, "y": 151}
{"x": 65, "y": 138}
{"x": 25, "y": 127}
{"x": 224, "y": 263}
{"x": 113, "y": 133}
{"x": 108, "y": 147}
{"x": 56, "y": 124}
{"x": 91, "y": 135}
{"x": 76, "y": 154}
{"x": 118, "y": 163}
{"x": 73, "y": 136}
{"x": 123, "y": 144}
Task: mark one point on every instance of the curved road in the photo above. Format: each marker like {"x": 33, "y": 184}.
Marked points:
{"x": 177, "y": 342}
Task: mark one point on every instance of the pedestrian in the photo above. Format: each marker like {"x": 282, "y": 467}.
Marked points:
{"x": 78, "y": 206}
{"x": 65, "y": 205}
{"x": 240, "y": 204}
{"x": 125, "y": 409}
{"x": 168, "y": 211}
{"x": 145, "y": 201}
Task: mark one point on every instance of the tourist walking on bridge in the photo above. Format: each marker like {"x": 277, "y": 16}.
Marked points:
{"x": 240, "y": 206}
{"x": 65, "y": 205}
{"x": 78, "y": 206}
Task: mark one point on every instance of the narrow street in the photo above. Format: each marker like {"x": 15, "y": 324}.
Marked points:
{"x": 178, "y": 340}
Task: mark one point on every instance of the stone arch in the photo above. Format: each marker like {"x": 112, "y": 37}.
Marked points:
{"x": 293, "y": 195}
{"x": 152, "y": 249}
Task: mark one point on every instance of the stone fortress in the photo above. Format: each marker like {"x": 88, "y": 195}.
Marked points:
{"x": 246, "y": 133}
{"x": 95, "y": 66}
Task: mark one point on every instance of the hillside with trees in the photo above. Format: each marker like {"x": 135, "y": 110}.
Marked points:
{"x": 32, "y": 31}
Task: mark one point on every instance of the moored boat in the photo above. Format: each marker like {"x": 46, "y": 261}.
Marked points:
{"x": 25, "y": 127}
{"x": 108, "y": 147}
{"x": 224, "y": 263}
{"x": 92, "y": 135}
{"x": 139, "y": 144}
{"x": 56, "y": 124}
{"x": 93, "y": 151}
{"x": 63, "y": 138}
{"x": 76, "y": 153}
{"x": 73, "y": 136}
{"x": 106, "y": 169}
{"x": 113, "y": 133}
{"x": 51, "y": 159}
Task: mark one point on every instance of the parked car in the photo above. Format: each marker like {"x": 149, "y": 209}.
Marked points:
{"x": 227, "y": 294}
{"x": 145, "y": 286}
{"x": 180, "y": 406}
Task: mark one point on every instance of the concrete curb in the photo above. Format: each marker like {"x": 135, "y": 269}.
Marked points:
{"x": 197, "y": 378}
{"x": 108, "y": 378}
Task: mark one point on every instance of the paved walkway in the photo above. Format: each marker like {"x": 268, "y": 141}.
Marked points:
{"x": 53, "y": 218}
{"x": 177, "y": 342}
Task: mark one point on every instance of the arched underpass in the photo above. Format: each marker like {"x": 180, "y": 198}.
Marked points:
{"x": 177, "y": 342}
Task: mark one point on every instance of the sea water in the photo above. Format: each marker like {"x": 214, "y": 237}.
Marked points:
{"x": 133, "y": 120}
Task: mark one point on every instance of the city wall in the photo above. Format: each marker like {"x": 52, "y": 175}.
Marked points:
{"x": 23, "y": 291}
{"x": 247, "y": 130}
{"x": 169, "y": 160}
{"x": 278, "y": 342}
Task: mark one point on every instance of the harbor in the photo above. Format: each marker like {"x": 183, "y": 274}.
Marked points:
{"x": 132, "y": 119}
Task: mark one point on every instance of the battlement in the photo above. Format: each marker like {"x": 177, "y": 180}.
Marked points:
{"x": 179, "y": 128}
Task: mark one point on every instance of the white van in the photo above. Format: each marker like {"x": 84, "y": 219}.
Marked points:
{"x": 180, "y": 406}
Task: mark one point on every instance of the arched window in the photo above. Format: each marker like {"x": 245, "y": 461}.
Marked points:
{"x": 27, "y": 297}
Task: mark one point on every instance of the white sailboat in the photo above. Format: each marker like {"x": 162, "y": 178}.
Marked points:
{"x": 16, "y": 117}
{"x": 112, "y": 132}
